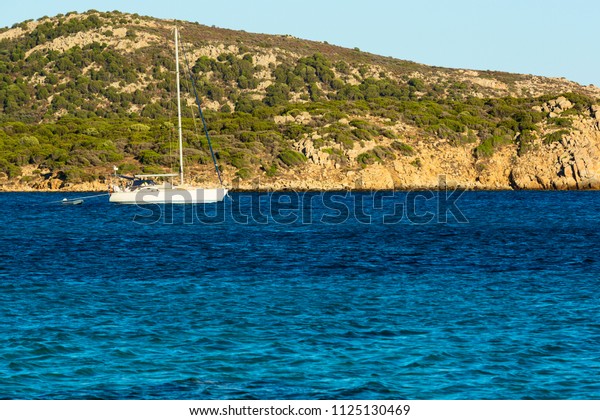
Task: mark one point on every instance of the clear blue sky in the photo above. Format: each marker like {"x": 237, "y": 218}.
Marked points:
{"x": 543, "y": 37}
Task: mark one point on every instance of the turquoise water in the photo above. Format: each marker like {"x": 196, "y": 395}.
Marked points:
{"x": 336, "y": 296}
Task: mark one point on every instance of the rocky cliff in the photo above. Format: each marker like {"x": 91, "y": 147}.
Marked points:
{"x": 571, "y": 162}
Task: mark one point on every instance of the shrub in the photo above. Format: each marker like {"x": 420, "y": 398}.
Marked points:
{"x": 383, "y": 153}
{"x": 29, "y": 141}
{"x": 560, "y": 122}
{"x": 580, "y": 102}
{"x": 11, "y": 170}
{"x": 276, "y": 94}
{"x": 344, "y": 139}
{"x": 366, "y": 158}
{"x": 244, "y": 173}
{"x": 490, "y": 144}
{"x": 362, "y": 134}
{"x": 416, "y": 83}
{"x": 127, "y": 167}
{"x": 555, "y": 137}
{"x": 526, "y": 139}
{"x": 152, "y": 169}
{"x": 403, "y": 148}
{"x": 238, "y": 160}
{"x": 291, "y": 157}
{"x": 359, "y": 124}
{"x": 139, "y": 128}
{"x": 91, "y": 131}
{"x": 271, "y": 170}
{"x": 149, "y": 157}
{"x": 387, "y": 133}
{"x": 485, "y": 149}
{"x": 74, "y": 174}
{"x": 295, "y": 131}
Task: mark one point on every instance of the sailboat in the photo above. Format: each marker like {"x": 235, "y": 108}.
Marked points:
{"x": 143, "y": 189}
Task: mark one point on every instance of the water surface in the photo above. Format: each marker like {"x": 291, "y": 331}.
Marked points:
{"x": 95, "y": 305}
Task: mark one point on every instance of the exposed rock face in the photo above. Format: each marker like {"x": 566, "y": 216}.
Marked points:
{"x": 571, "y": 163}
{"x": 557, "y": 105}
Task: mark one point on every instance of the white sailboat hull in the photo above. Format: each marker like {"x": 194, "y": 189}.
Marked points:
{"x": 175, "y": 195}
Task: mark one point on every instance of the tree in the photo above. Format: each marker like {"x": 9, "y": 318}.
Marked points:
{"x": 277, "y": 94}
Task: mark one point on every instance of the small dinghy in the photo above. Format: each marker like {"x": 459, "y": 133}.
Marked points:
{"x": 71, "y": 202}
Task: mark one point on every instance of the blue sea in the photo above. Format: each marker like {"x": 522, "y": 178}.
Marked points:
{"x": 484, "y": 295}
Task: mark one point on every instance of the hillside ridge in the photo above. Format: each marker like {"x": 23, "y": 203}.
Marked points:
{"x": 83, "y": 92}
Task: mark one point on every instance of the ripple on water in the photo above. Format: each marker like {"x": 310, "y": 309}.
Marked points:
{"x": 502, "y": 307}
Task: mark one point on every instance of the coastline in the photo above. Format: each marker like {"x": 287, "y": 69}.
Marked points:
{"x": 572, "y": 163}
{"x": 82, "y": 189}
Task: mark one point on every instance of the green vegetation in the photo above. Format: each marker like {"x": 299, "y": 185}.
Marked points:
{"x": 526, "y": 141}
{"x": 291, "y": 157}
{"x": 403, "y": 148}
{"x": 560, "y": 122}
{"x": 95, "y": 105}
{"x": 487, "y": 147}
{"x": 555, "y": 136}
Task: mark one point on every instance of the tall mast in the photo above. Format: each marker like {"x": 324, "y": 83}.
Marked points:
{"x": 179, "y": 108}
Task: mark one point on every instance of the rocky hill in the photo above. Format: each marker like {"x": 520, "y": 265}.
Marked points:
{"x": 81, "y": 93}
